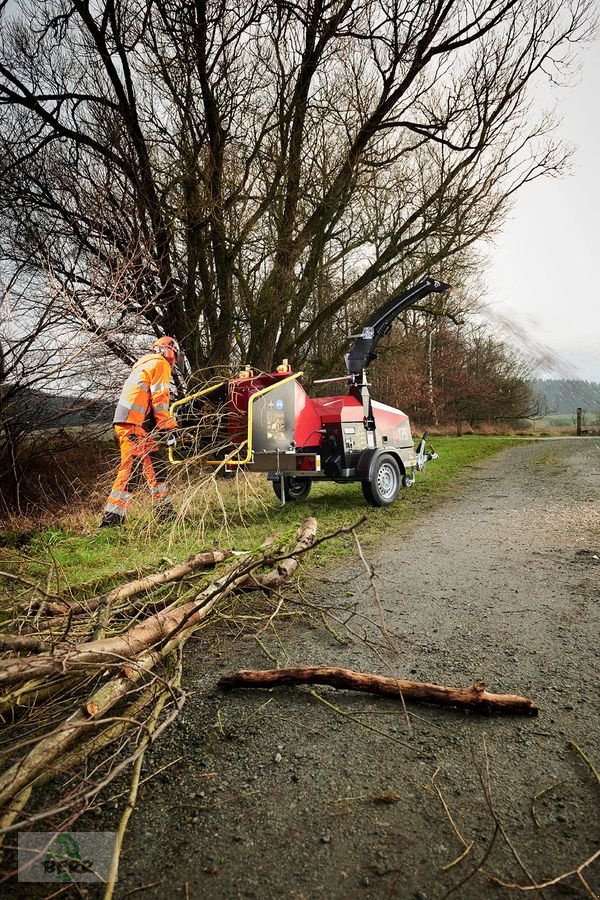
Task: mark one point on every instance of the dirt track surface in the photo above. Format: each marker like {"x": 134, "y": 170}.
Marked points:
{"x": 278, "y": 795}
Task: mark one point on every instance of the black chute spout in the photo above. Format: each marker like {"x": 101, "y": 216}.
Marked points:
{"x": 380, "y": 322}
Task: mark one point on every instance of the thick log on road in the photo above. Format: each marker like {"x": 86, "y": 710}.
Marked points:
{"x": 474, "y": 697}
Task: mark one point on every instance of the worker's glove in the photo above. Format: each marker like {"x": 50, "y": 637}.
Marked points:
{"x": 172, "y": 440}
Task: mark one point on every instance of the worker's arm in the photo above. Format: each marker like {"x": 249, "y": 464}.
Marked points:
{"x": 160, "y": 394}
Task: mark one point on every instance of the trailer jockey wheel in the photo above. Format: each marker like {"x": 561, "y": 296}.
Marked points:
{"x": 295, "y": 488}
{"x": 384, "y": 486}
{"x": 409, "y": 479}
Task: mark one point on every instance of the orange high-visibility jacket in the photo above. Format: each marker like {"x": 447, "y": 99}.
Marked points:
{"x": 146, "y": 395}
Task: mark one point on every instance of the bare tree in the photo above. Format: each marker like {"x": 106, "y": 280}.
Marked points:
{"x": 442, "y": 373}
{"x": 46, "y": 379}
{"x": 228, "y": 163}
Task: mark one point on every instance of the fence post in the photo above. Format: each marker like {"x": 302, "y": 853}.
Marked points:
{"x": 579, "y": 411}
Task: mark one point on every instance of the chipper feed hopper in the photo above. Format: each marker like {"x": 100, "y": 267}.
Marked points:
{"x": 266, "y": 422}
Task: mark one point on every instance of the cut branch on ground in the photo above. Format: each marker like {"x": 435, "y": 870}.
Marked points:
{"x": 474, "y": 697}
{"x": 107, "y": 686}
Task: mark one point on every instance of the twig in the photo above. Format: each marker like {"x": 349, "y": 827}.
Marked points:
{"x": 552, "y": 881}
{"x": 149, "y": 777}
{"x": 371, "y": 573}
{"x": 142, "y": 887}
{"x": 270, "y": 619}
{"x": 332, "y": 630}
{"x": 102, "y": 617}
{"x": 487, "y": 792}
{"x": 32, "y": 584}
{"x": 135, "y": 781}
{"x": 467, "y": 847}
{"x": 358, "y": 721}
{"x": 67, "y": 628}
{"x": 478, "y": 867}
{"x": 61, "y": 890}
{"x": 586, "y": 759}
{"x": 267, "y": 653}
{"x": 537, "y": 797}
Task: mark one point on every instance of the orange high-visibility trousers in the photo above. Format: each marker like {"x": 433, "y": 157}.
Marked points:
{"x": 139, "y": 451}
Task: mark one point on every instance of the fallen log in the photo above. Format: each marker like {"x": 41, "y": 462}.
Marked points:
{"x": 475, "y": 697}
{"x": 178, "y": 572}
{"x": 21, "y": 644}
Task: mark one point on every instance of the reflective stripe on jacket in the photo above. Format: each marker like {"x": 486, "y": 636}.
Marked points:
{"x": 146, "y": 394}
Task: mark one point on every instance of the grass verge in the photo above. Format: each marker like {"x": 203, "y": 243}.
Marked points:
{"x": 240, "y": 514}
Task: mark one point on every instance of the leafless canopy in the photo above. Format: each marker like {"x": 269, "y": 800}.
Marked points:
{"x": 236, "y": 173}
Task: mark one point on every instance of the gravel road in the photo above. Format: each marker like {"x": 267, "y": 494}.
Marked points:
{"x": 279, "y": 795}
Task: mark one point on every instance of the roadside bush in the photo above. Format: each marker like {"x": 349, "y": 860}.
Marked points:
{"x": 51, "y": 475}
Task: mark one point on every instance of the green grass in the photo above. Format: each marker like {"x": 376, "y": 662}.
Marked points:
{"x": 239, "y": 514}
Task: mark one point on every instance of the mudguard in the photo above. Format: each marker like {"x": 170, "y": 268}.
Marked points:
{"x": 368, "y": 458}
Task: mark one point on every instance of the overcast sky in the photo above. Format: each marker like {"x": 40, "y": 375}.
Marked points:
{"x": 543, "y": 272}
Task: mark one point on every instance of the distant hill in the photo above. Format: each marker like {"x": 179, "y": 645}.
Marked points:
{"x": 563, "y": 395}
{"x": 36, "y": 410}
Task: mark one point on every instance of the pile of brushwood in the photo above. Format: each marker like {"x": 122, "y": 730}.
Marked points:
{"x": 101, "y": 677}
{"x": 87, "y": 683}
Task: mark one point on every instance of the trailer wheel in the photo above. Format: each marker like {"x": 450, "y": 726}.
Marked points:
{"x": 384, "y": 485}
{"x": 295, "y": 488}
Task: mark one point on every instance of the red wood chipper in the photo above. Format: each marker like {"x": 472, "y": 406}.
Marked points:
{"x": 266, "y": 422}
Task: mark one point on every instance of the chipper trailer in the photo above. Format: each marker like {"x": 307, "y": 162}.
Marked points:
{"x": 266, "y": 422}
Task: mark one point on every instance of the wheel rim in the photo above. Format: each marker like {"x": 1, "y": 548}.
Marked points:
{"x": 387, "y": 481}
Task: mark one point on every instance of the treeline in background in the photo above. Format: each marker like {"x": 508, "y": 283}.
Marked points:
{"x": 562, "y": 396}
{"x": 255, "y": 178}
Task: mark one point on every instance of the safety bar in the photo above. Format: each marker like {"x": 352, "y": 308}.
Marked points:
{"x": 249, "y": 452}
{"x": 329, "y": 380}
{"x": 188, "y": 399}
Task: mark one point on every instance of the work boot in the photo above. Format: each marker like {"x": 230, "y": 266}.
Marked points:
{"x": 166, "y": 512}
{"x": 111, "y": 520}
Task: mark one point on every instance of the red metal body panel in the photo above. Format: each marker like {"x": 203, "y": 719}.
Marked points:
{"x": 393, "y": 424}
{"x": 338, "y": 409}
{"x": 313, "y": 414}
{"x": 308, "y": 422}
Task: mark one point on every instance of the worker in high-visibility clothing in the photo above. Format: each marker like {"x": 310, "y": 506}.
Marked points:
{"x": 142, "y": 409}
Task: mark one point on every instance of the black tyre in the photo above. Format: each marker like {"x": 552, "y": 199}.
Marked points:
{"x": 296, "y": 488}
{"x": 384, "y": 486}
